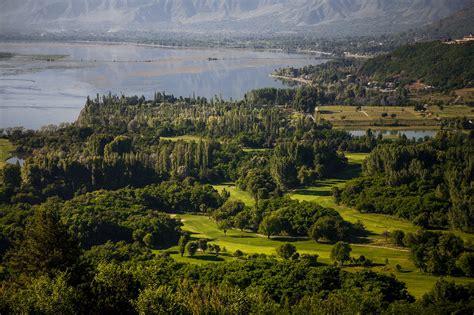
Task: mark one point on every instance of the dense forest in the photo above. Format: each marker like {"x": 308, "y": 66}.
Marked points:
{"x": 87, "y": 221}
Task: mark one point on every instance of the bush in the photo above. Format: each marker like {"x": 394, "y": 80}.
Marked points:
{"x": 286, "y": 250}
{"x": 465, "y": 263}
{"x": 397, "y": 237}
{"x": 238, "y": 253}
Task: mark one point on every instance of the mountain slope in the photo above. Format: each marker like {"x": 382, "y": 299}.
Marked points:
{"x": 441, "y": 65}
{"x": 336, "y": 16}
{"x": 456, "y": 25}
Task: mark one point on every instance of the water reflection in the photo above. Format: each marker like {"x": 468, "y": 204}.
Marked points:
{"x": 34, "y": 93}
{"x": 410, "y": 134}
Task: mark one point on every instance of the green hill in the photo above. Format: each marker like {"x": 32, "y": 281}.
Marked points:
{"x": 435, "y": 63}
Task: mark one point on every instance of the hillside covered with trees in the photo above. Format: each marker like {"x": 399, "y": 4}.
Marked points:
{"x": 405, "y": 76}
{"x": 443, "y": 66}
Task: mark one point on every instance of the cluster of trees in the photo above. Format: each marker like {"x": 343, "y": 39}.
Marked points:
{"x": 440, "y": 253}
{"x": 429, "y": 183}
{"x": 284, "y": 216}
{"x": 135, "y": 216}
{"x": 304, "y": 98}
{"x": 167, "y": 117}
{"x": 101, "y": 161}
{"x": 301, "y": 161}
{"x": 116, "y": 142}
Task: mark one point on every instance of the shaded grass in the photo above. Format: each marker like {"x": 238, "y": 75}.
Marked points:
{"x": 186, "y": 138}
{"x": 5, "y": 151}
{"x": 321, "y": 193}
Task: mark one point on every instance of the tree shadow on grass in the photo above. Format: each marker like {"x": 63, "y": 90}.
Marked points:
{"x": 289, "y": 239}
{"x": 350, "y": 172}
{"x": 310, "y": 192}
{"x": 213, "y": 258}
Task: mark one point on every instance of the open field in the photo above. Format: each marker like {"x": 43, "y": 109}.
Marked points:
{"x": 406, "y": 117}
{"x": 203, "y": 227}
{"x": 5, "y": 148}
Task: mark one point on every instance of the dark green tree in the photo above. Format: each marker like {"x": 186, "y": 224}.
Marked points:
{"x": 10, "y": 175}
{"x": 225, "y": 225}
{"x": 286, "y": 250}
{"x": 271, "y": 225}
{"x": 192, "y": 248}
{"x": 465, "y": 263}
{"x": 46, "y": 247}
{"x": 341, "y": 252}
{"x": 183, "y": 240}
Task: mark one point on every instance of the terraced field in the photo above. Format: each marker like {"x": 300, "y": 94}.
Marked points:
{"x": 404, "y": 117}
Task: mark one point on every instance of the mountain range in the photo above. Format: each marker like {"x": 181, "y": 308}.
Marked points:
{"x": 333, "y": 17}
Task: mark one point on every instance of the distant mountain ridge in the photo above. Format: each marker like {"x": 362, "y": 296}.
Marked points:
{"x": 457, "y": 25}
{"x": 355, "y": 17}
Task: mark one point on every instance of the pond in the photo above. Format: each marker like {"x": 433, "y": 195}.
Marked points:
{"x": 410, "y": 134}
{"x": 47, "y": 83}
{"x": 14, "y": 160}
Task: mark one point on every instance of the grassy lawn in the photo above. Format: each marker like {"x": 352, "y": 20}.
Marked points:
{"x": 322, "y": 194}
{"x": 203, "y": 227}
{"x": 236, "y": 193}
{"x": 248, "y": 242}
{"x": 5, "y": 148}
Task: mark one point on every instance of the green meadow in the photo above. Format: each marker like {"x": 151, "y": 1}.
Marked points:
{"x": 376, "y": 248}
{"x": 203, "y": 227}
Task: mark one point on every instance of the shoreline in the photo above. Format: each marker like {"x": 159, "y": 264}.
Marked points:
{"x": 299, "y": 80}
{"x": 191, "y": 47}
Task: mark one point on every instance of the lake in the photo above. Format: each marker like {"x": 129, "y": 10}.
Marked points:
{"x": 410, "y": 134}
{"x": 35, "y": 91}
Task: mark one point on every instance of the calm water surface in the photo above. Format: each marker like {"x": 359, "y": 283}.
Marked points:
{"x": 410, "y": 134}
{"x": 35, "y": 92}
